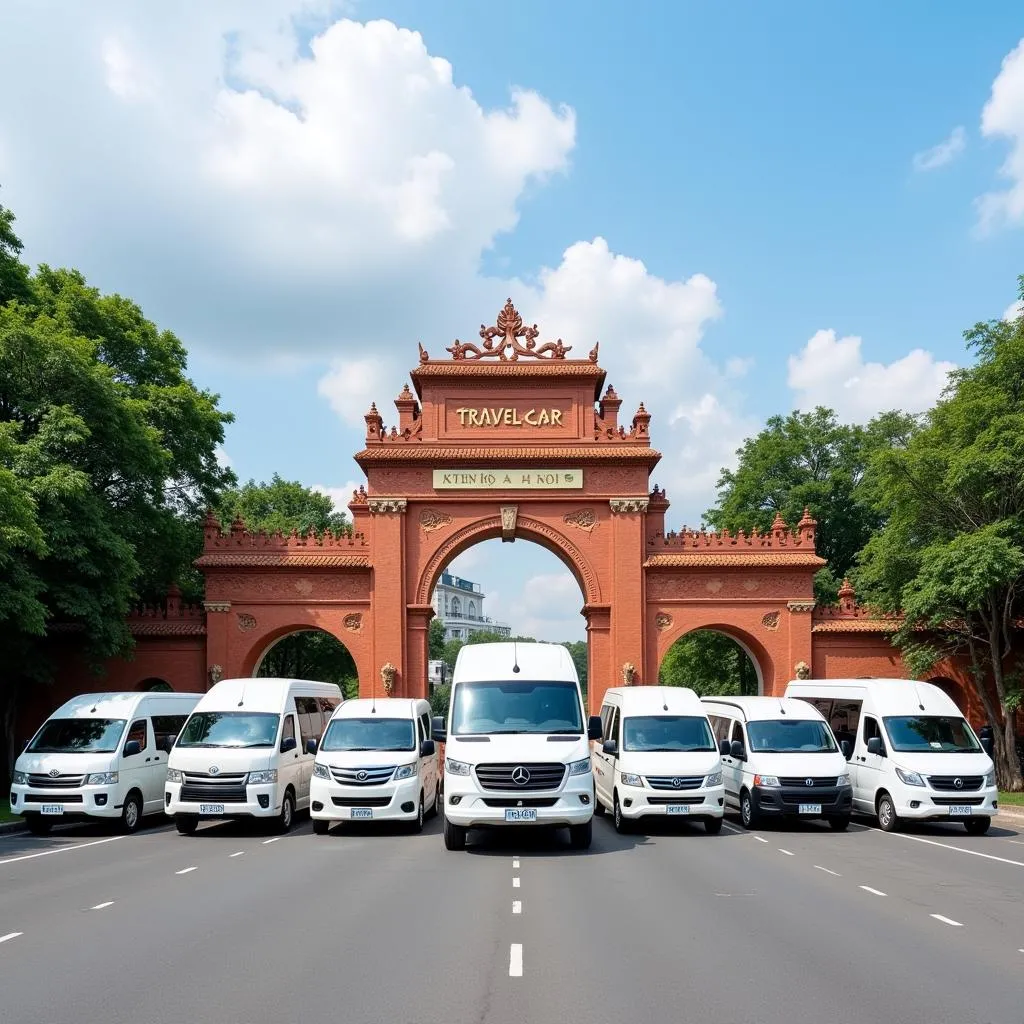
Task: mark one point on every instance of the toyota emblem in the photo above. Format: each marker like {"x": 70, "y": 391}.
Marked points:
{"x": 677, "y": 783}
{"x": 959, "y": 783}
{"x": 214, "y": 770}
{"x": 520, "y": 776}
{"x": 361, "y": 776}
{"x": 808, "y": 782}
{"x": 54, "y": 773}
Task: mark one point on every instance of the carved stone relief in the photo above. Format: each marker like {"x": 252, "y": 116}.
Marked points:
{"x": 771, "y": 620}
{"x": 432, "y": 519}
{"x": 583, "y": 519}
{"x": 246, "y": 622}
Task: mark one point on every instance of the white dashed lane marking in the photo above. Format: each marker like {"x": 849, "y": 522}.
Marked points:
{"x": 828, "y": 871}
{"x": 874, "y": 892}
{"x": 185, "y": 871}
{"x": 103, "y": 906}
{"x": 947, "y": 920}
{"x": 786, "y": 852}
{"x": 9, "y": 936}
{"x": 274, "y": 840}
{"x": 515, "y": 960}
{"x": 517, "y": 906}
{"x": 239, "y": 854}
{"x": 760, "y": 840}
{"x": 515, "y": 862}
{"x": 515, "y": 882}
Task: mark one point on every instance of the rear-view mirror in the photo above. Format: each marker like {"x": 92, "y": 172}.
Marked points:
{"x": 845, "y": 747}
{"x": 724, "y": 749}
{"x": 594, "y": 727}
{"x": 736, "y": 750}
{"x": 610, "y": 747}
{"x": 288, "y": 743}
{"x": 437, "y": 727}
{"x": 875, "y": 746}
{"x": 311, "y": 746}
{"x": 132, "y": 747}
{"x": 986, "y": 745}
{"x": 427, "y": 748}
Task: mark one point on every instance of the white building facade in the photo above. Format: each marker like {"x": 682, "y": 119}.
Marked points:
{"x": 459, "y": 605}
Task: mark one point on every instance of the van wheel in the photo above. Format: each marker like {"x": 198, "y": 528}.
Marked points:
{"x": 38, "y": 825}
{"x": 186, "y": 824}
{"x": 599, "y": 808}
{"x": 622, "y": 824}
{"x": 454, "y": 836}
{"x": 887, "y": 816}
{"x": 287, "y": 816}
{"x": 977, "y": 826}
{"x": 131, "y": 813}
{"x": 580, "y": 836}
{"x": 320, "y": 826}
{"x": 750, "y": 818}
{"x": 417, "y": 826}
{"x": 713, "y": 826}
{"x": 840, "y": 824}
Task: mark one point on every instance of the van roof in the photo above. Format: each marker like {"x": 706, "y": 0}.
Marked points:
{"x": 387, "y": 707}
{"x": 494, "y": 663}
{"x": 889, "y": 696}
{"x": 116, "y": 705}
{"x": 652, "y": 700}
{"x": 759, "y": 709}
{"x": 258, "y": 694}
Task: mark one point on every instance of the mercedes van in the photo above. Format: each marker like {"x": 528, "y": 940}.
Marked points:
{"x": 243, "y": 751}
{"x": 658, "y": 758}
{"x": 100, "y": 755}
{"x": 376, "y": 762}
{"x": 779, "y": 760}
{"x": 912, "y": 755}
{"x": 516, "y": 740}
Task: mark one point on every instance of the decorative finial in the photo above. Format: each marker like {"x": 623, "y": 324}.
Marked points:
{"x": 806, "y": 520}
{"x": 803, "y": 670}
{"x": 424, "y": 357}
{"x": 778, "y": 523}
{"x": 502, "y": 341}
{"x": 387, "y": 675}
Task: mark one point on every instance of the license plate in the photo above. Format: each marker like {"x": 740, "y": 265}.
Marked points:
{"x": 211, "y": 808}
{"x": 51, "y": 809}
{"x": 520, "y": 813}
{"x": 362, "y": 812}
{"x": 810, "y": 809}
{"x": 677, "y": 809}
{"x": 961, "y": 810}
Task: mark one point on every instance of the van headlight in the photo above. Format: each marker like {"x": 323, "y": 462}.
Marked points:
{"x": 102, "y": 779}
{"x": 909, "y": 778}
{"x": 579, "y": 767}
{"x": 19, "y": 778}
{"x": 321, "y": 771}
{"x": 173, "y": 775}
{"x": 262, "y": 778}
{"x": 843, "y": 780}
{"x": 990, "y": 779}
{"x": 713, "y": 780}
{"x": 629, "y": 779}
{"x": 405, "y": 771}
{"x": 454, "y": 767}
{"x": 768, "y": 781}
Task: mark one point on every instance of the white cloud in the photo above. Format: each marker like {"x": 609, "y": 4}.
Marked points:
{"x": 547, "y": 608}
{"x": 1014, "y": 310}
{"x": 1003, "y": 117}
{"x": 944, "y": 153}
{"x": 831, "y": 371}
{"x": 340, "y": 496}
{"x": 223, "y": 459}
{"x": 350, "y": 385}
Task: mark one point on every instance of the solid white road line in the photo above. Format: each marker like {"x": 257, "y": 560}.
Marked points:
{"x": 14, "y": 935}
{"x": 947, "y": 920}
{"x": 102, "y": 906}
{"x": 274, "y": 840}
{"x": 515, "y": 960}
{"x": 944, "y": 846}
{"x": 828, "y": 871}
{"x": 63, "y": 849}
{"x": 515, "y": 882}
{"x": 732, "y": 828}
{"x": 515, "y": 862}
{"x": 867, "y": 888}
{"x": 786, "y": 852}
{"x": 185, "y": 871}
{"x": 239, "y": 854}
{"x": 517, "y": 906}
{"x": 760, "y": 840}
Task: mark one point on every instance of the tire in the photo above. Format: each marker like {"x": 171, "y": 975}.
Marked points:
{"x": 320, "y": 826}
{"x": 454, "y": 836}
{"x": 622, "y": 824}
{"x": 284, "y": 821}
{"x": 580, "y": 836}
{"x": 186, "y": 824}
{"x": 599, "y": 808}
{"x": 38, "y": 825}
{"x": 748, "y": 815}
{"x": 888, "y": 819}
{"x": 417, "y": 826}
{"x": 713, "y": 826}
{"x": 840, "y": 824}
{"x": 131, "y": 813}
{"x": 977, "y": 826}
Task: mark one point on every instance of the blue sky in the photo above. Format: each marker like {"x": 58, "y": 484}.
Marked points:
{"x": 753, "y": 207}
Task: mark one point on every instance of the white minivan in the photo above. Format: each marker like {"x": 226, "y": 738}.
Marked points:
{"x": 377, "y": 761}
{"x": 780, "y": 760}
{"x": 100, "y": 755}
{"x": 517, "y": 749}
{"x": 913, "y": 756}
{"x": 658, "y": 758}
{"x": 243, "y": 751}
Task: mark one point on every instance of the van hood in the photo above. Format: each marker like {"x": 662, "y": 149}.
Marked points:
{"x": 799, "y": 765}
{"x": 225, "y": 759}
{"x": 663, "y": 762}
{"x": 365, "y": 758}
{"x": 503, "y": 749}
{"x": 67, "y": 764}
{"x": 942, "y": 764}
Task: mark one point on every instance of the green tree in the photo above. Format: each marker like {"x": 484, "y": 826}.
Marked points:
{"x": 811, "y": 460}
{"x": 436, "y": 640}
{"x": 710, "y": 663}
{"x": 578, "y": 652}
{"x": 951, "y": 556}
{"x": 14, "y": 275}
{"x": 283, "y": 505}
{"x": 312, "y": 654}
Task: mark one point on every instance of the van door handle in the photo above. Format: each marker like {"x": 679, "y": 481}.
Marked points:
{"x": 148, "y": 759}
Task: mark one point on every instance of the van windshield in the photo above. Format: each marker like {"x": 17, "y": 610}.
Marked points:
{"x": 931, "y": 734}
{"x": 665, "y": 733}
{"x": 791, "y": 736}
{"x": 78, "y": 736}
{"x": 229, "y": 729}
{"x": 511, "y": 707}
{"x": 369, "y": 734}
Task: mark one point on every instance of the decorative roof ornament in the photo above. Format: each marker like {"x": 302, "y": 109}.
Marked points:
{"x": 502, "y": 341}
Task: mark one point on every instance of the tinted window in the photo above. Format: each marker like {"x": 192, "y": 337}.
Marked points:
{"x": 229, "y": 729}
{"x": 789, "y": 736}
{"x": 666, "y": 732}
{"x": 932, "y": 733}
{"x": 138, "y": 732}
{"x": 737, "y": 733}
{"x": 288, "y": 729}
{"x": 871, "y": 730}
{"x": 369, "y": 734}
{"x": 720, "y": 727}
{"x": 311, "y": 723}
{"x": 166, "y": 727}
{"x": 78, "y": 735}
{"x": 510, "y": 707}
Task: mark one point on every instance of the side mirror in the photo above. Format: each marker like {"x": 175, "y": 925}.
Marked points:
{"x": 311, "y": 746}
{"x": 610, "y": 747}
{"x": 875, "y": 746}
{"x": 288, "y": 743}
{"x": 736, "y": 750}
{"x": 724, "y": 749}
{"x": 171, "y": 740}
{"x": 437, "y": 727}
{"x": 427, "y": 748}
{"x": 594, "y": 727}
{"x": 845, "y": 747}
{"x": 131, "y": 747}
{"x": 986, "y": 745}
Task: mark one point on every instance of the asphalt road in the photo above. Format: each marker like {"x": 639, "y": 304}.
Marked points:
{"x": 783, "y": 925}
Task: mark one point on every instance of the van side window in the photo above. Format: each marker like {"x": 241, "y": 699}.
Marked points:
{"x": 606, "y": 719}
{"x": 871, "y": 730}
{"x": 288, "y": 731}
{"x": 311, "y": 723}
{"x": 613, "y": 728}
{"x": 425, "y": 723}
{"x": 138, "y": 732}
{"x": 737, "y": 733}
{"x": 720, "y": 727}
{"x": 166, "y": 727}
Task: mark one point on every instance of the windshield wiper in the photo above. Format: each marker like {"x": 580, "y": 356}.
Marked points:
{"x": 565, "y": 732}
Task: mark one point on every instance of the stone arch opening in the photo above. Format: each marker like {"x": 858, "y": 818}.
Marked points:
{"x": 307, "y": 652}
{"x": 156, "y": 685}
{"x": 716, "y": 660}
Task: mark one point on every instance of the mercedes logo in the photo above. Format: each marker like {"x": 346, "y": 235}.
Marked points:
{"x": 214, "y": 770}
{"x": 677, "y": 783}
{"x": 808, "y": 782}
{"x": 959, "y": 783}
{"x": 54, "y": 773}
{"x": 520, "y": 776}
{"x": 361, "y": 776}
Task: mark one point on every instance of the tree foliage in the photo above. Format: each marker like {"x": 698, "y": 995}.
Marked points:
{"x": 710, "y": 663}
{"x": 312, "y": 654}
{"x": 436, "y": 640}
{"x": 280, "y": 504}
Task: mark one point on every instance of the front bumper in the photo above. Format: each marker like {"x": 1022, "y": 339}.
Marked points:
{"x": 76, "y": 805}
{"x": 936, "y": 806}
{"x": 393, "y": 801}
{"x": 469, "y": 805}
{"x": 696, "y": 803}
{"x": 252, "y": 807}
{"x": 786, "y": 801}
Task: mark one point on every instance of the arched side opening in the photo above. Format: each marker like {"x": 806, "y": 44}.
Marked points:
{"x": 156, "y": 685}
{"x": 713, "y": 661}
{"x": 312, "y": 654}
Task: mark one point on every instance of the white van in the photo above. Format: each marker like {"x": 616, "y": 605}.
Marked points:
{"x": 913, "y": 755}
{"x": 658, "y": 757}
{"x": 243, "y": 751}
{"x": 376, "y": 762}
{"x": 100, "y": 755}
{"x": 780, "y": 760}
{"x": 516, "y": 746}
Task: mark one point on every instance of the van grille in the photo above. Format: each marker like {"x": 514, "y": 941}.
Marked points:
{"x": 222, "y": 789}
{"x": 545, "y": 775}
{"x": 511, "y": 801}
{"x": 947, "y": 783}
{"x": 375, "y": 776}
{"x": 660, "y": 801}
{"x": 953, "y": 801}
{"x": 360, "y": 801}
{"x": 60, "y": 782}
{"x": 60, "y": 798}
{"x": 676, "y": 782}
{"x": 800, "y": 781}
